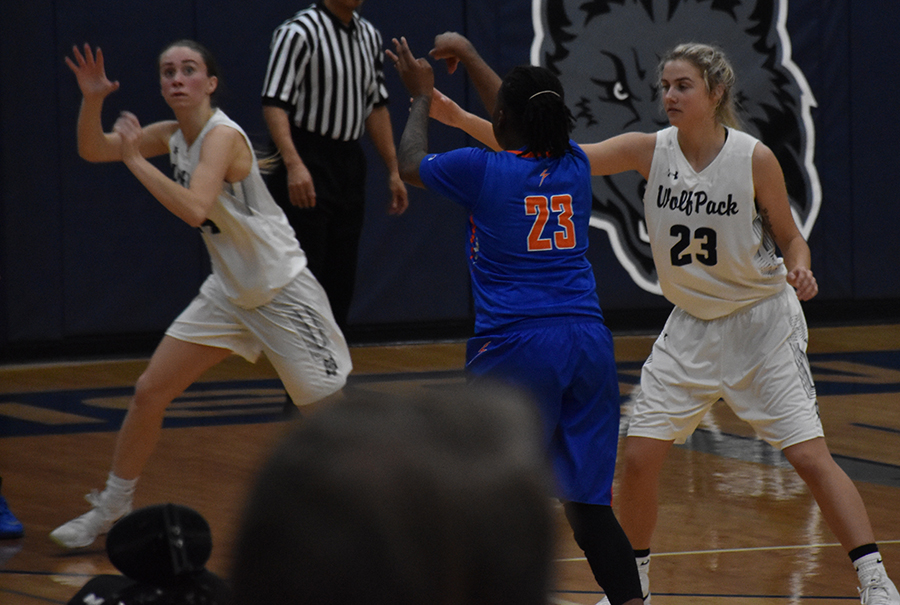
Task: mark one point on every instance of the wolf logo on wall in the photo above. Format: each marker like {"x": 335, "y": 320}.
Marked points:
{"x": 606, "y": 52}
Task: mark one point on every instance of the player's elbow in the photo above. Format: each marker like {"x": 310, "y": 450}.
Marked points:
{"x": 89, "y": 154}
{"x": 408, "y": 166}
{"x": 409, "y": 172}
{"x": 96, "y": 153}
{"x": 195, "y": 216}
{"x": 194, "y": 221}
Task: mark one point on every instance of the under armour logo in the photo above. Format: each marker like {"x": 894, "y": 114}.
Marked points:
{"x": 673, "y": 175}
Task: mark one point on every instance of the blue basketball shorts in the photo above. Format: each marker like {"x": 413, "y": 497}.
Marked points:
{"x": 569, "y": 369}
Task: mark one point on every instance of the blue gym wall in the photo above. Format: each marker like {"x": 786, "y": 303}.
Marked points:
{"x": 86, "y": 255}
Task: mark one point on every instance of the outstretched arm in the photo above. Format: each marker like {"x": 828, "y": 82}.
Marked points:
{"x": 629, "y": 151}
{"x": 621, "y": 153}
{"x": 446, "y": 111}
{"x": 775, "y": 210}
{"x": 94, "y": 145}
{"x": 455, "y": 49}
{"x": 418, "y": 78}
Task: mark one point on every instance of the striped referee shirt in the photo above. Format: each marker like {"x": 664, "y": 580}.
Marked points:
{"x": 328, "y": 76}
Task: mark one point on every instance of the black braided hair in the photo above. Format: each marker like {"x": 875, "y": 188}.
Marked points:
{"x": 533, "y": 99}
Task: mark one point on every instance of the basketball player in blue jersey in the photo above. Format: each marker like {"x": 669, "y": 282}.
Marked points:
{"x": 260, "y": 296}
{"x": 538, "y": 322}
{"x": 716, "y": 207}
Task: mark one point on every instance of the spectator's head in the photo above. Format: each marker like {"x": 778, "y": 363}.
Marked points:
{"x": 402, "y": 501}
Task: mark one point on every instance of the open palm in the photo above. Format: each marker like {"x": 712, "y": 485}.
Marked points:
{"x": 90, "y": 72}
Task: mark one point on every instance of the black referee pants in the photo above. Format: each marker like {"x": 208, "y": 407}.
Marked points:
{"x": 329, "y": 232}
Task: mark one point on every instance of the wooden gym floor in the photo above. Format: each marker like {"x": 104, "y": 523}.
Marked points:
{"x": 736, "y": 524}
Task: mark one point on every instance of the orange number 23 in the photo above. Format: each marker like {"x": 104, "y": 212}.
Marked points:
{"x": 539, "y": 207}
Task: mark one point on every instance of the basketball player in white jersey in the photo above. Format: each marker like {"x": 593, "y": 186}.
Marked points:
{"x": 260, "y": 297}
{"x": 716, "y": 207}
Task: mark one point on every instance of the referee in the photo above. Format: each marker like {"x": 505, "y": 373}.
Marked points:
{"x": 324, "y": 87}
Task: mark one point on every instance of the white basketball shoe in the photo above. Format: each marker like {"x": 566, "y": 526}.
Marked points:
{"x": 879, "y": 590}
{"x": 83, "y": 530}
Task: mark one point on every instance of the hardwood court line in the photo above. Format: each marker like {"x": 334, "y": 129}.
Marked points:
{"x": 558, "y": 601}
{"x": 734, "y": 550}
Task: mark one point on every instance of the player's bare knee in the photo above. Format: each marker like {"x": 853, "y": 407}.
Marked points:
{"x": 811, "y": 459}
{"x": 149, "y": 395}
{"x": 643, "y": 458}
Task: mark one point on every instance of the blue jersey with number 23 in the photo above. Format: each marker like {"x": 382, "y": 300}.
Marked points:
{"x": 528, "y": 221}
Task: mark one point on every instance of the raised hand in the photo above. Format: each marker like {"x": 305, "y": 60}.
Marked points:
{"x": 90, "y": 73}
{"x": 455, "y": 49}
{"x": 417, "y": 75}
{"x": 452, "y": 48}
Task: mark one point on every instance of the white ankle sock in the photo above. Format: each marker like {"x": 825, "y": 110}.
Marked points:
{"x": 119, "y": 492}
{"x": 867, "y": 565}
{"x": 643, "y": 565}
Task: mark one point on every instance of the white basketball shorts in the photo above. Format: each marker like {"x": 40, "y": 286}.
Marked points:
{"x": 753, "y": 359}
{"x": 296, "y": 330}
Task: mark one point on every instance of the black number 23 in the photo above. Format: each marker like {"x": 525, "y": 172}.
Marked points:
{"x": 708, "y": 246}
